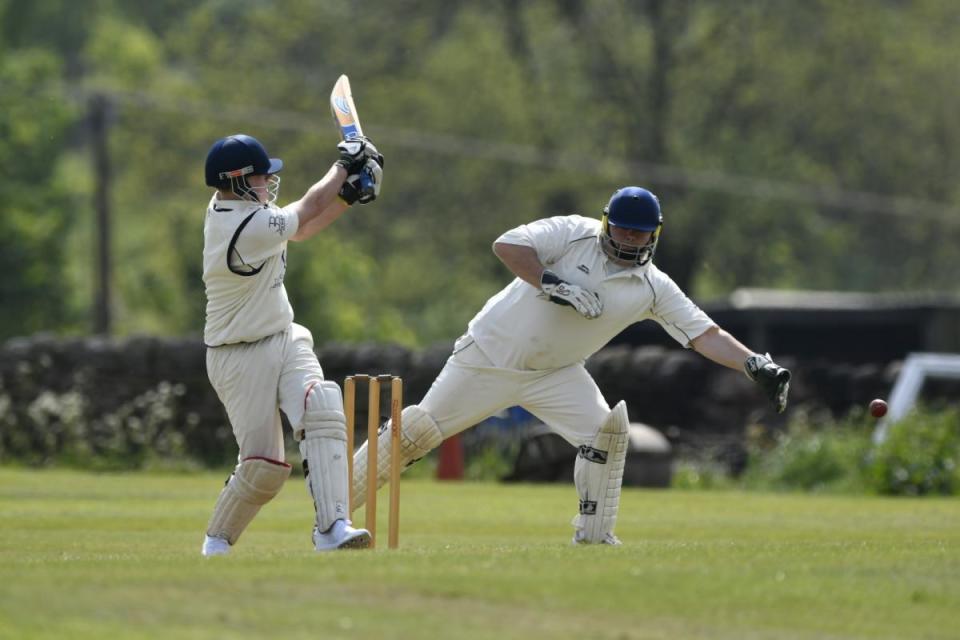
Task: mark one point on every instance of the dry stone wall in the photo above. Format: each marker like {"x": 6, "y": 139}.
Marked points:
{"x": 137, "y": 397}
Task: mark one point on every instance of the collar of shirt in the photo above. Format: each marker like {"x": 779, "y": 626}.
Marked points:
{"x": 235, "y": 206}
{"x": 612, "y": 270}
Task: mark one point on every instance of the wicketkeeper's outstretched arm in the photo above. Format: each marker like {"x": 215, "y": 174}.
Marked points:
{"x": 721, "y": 347}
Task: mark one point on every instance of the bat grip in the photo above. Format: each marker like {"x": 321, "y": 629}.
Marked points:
{"x": 366, "y": 181}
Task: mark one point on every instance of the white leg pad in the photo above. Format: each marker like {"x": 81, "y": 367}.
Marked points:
{"x": 323, "y": 447}
{"x": 419, "y": 436}
{"x": 254, "y": 483}
{"x": 598, "y": 475}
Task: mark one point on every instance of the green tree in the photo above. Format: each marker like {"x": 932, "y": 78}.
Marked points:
{"x": 37, "y": 209}
{"x": 761, "y": 125}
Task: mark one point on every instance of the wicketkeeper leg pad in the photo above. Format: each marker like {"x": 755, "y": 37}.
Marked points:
{"x": 253, "y": 484}
{"x": 323, "y": 447}
{"x": 598, "y": 475}
{"x": 418, "y": 437}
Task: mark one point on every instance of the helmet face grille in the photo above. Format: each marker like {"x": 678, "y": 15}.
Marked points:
{"x": 242, "y": 188}
{"x": 624, "y": 251}
{"x": 631, "y": 208}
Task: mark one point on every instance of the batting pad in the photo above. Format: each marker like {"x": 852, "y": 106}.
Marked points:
{"x": 418, "y": 437}
{"x": 253, "y": 484}
{"x": 323, "y": 447}
{"x": 598, "y": 474}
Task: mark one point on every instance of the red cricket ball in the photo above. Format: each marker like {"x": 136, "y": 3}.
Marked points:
{"x": 878, "y": 408}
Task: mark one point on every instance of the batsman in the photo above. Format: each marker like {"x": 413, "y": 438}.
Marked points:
{"x": 259, "y": 361}
{"x": 579, "y": 282}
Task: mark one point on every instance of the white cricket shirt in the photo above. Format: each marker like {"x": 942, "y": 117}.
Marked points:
{"x": 244, "y": 262}
{"x": 519, "y": 328}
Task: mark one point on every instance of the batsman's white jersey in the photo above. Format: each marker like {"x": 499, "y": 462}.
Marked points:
{"x": 520, "y": 329}
{"x": 244, "y": 262}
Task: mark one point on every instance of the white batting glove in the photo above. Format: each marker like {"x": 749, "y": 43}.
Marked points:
{"x": 355, "y": 152}
{"x": 559, "y": 291}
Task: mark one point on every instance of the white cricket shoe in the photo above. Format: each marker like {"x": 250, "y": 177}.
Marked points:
{"x": 341, "y": 536}
{"x": 608, "y": 538}
{"x": 215, "y": 546}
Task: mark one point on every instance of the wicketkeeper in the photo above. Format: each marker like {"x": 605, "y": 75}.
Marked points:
{"x": 579, "y": 282}
{"x": 258, "y": 360}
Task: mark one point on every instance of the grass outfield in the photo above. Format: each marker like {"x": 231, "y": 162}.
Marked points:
{"x": 117, "y": 556}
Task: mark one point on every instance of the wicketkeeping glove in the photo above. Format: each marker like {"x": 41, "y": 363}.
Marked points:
{"x": 355, "y": 152}
{"x": 772, "y": 378}
{"x": 559, "y": 291}
{"x": 364, "y": 185}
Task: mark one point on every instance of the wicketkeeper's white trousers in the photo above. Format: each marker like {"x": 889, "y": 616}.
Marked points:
{"x": 470, "y": 388}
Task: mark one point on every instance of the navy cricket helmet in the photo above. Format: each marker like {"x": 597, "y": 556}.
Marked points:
{"x": 632, "y": 208}
{"x": 231, "y": 159}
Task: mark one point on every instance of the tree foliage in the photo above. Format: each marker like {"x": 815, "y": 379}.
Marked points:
{"x": 37, "y": 207}
{"x": 794, "y": 145}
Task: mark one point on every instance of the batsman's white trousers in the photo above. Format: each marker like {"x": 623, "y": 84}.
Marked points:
{"x": 258, "y": 379}
{"x": 470, "y": 388}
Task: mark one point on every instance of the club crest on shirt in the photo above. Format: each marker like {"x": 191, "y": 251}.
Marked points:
{"x": 279, "y": 223}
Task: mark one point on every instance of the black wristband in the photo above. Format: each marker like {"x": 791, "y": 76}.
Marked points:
{"x": 549, "y": 277}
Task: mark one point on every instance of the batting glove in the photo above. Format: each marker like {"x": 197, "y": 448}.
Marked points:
{"x": 773, "y": 379}
{"x": 559, "y": 291}
{"x": 364, "y": 185}
{"x": 355, "y": 152}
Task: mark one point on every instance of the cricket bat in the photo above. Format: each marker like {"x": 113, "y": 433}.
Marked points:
{"x": 344, "y": 111}
{"x": 348, "y": 122}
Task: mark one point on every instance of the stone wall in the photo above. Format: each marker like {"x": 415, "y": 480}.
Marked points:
{"x": 156, "y": 390}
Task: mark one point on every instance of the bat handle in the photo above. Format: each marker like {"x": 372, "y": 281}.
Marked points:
{"x": 367, "y": 186}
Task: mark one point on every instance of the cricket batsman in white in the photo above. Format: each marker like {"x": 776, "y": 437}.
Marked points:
{"x": 258, "y": 360}
{"x": 579, "y": 282}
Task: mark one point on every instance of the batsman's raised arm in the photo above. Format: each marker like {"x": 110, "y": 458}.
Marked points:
{"x": 355, "y": 177}
{"x": 320, "y": 205}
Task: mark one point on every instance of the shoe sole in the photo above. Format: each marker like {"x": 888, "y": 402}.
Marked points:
{"x": 359, "y": 541}
{"x": 584, "y": 543}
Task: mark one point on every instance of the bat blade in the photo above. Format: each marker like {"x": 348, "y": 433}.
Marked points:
{"x": 344, "y": 111}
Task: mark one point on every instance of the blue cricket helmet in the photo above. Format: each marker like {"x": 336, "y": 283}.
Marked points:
{"x": 235, "y": 157}
{"x": 632, "y": 208}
